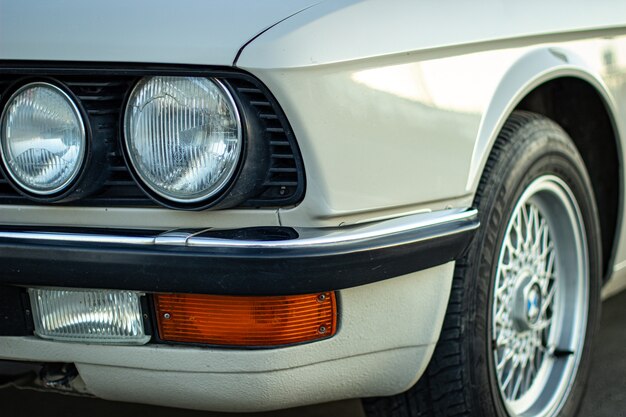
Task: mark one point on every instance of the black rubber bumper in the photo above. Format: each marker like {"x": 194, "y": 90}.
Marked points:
{"x": 232, "y": 270}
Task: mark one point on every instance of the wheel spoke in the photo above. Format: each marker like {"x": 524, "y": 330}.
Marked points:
{"x": 505, "y": 359}
{"x": 518, "y": 381}
{"x": 509, "y": 377}
{"x": 548, "y": 299}
{"x": 527, "y": 211}
{"x": 517, "y": 228}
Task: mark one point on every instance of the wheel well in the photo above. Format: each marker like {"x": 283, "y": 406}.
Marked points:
{"x": 579, "y": 109}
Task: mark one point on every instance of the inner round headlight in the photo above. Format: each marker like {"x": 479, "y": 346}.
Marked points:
{"x": 42, "y": 139}
{"x": 183, "y": 136}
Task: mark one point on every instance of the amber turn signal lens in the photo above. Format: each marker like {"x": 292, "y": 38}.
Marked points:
{"x": 246, "y": 321}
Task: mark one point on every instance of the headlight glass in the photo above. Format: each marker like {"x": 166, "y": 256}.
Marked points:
{"x": 183, "y": 136}
{"x": 42, "y": 138}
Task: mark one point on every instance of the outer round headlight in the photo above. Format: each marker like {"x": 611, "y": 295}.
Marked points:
{"x": 183, "y": 136}
{"x": 42, "y": 141}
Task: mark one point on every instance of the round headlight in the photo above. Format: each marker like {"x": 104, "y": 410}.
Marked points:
{"x": 42, "y": 139}
{"x": 183, "y": 136}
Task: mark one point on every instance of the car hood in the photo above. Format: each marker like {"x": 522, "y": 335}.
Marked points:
{"x": 205, "y": 32}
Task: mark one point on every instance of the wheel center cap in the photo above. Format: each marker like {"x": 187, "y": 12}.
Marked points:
{"x": 533, "y": 304}
{"x": 527, "y": 302}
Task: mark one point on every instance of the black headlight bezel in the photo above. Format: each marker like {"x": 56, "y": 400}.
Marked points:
{"x": 89, "y": 175}
{"x": 240, "y": 186}
{"x": 260, "y": 180}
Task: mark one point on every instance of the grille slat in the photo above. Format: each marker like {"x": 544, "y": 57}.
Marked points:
{"x": 281, "y": 183}
{"x": 261, "y": 103}
{"x": 120, "y": 184}
{"x": 96, "y": 112}
{"x": 102, "y": 98}
{"x": 84, "y": 98}
{"x": 279, "y": 143}
{"x": 282, "y": 156}
{"x": 249, "y": 90}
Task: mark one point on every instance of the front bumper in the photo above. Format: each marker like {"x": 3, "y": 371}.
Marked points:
{"x": 387, "y": 328}
{"x": 277, "y": 261}
{"x": 387, "y": 333}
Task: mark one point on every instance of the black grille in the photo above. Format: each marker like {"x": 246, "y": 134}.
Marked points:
{"x": 282, "y": 180}
{"x": 102, "y": 95}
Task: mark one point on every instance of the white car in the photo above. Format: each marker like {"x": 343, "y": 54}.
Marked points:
{"x": 254, "y": 205}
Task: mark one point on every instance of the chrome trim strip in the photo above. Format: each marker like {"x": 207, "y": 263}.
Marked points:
{"x": 174, "y": 238}
{"x": 308, "y": 237}
{"x": 77, "y": 238}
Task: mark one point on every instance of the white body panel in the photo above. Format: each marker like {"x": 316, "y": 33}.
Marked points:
{"x": 425, "y": 126}
{"x": 352, "y": 30}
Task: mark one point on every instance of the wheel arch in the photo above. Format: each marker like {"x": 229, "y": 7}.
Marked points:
{"x": 550, "y": 81}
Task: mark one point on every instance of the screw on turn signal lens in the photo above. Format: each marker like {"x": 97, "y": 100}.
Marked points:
{"x": 246, "y": 321}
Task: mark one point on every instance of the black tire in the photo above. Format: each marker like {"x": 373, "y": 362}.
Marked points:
{"x": 460, "y": 380}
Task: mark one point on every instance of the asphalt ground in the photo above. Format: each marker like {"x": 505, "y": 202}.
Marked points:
{"x": 605, "y": 397}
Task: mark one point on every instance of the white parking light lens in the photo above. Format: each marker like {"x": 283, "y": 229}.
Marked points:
{"x": 88, "y": 316}
{"x": 183, "y": 136}
{"x": 42, "y": 139}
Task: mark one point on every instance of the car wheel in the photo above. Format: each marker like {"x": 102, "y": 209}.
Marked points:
{"x": 525, "y": 299}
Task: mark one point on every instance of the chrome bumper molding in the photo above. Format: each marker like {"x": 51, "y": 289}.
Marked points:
{"x": 307, "y": 237}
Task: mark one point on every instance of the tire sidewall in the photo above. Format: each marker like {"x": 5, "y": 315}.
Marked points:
{"x": 539, "y": 147}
